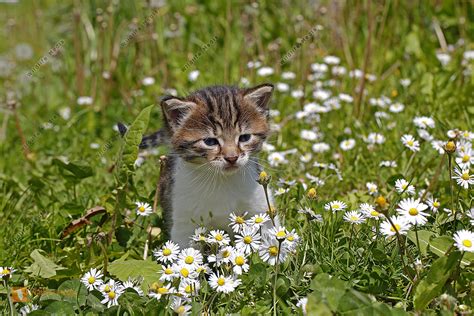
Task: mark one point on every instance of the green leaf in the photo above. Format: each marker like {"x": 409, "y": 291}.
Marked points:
{"x": 73, "y": 291}
{"x": 60, "y": 308}
{"x": 132, "y": 139}
{"x": 74, "y": 171}
{"x": 440, "y": 245}
{"x": 146, "y": 269}
{"x": 424, "y": 239}
{"x": 42, "y": 266}
{"x": 95, "y": 303}
{"x": 329, "y": 289}
{"x": 432, "y": 284}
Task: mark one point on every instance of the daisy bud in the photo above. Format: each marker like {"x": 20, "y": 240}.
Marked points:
{"x": 381, "y": 201}
{"x": 450, "y": 147}
{"x": 311, "y": 193}
{"x": 263, "y": 178}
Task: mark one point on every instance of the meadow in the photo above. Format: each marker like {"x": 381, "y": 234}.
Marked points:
{"x": 370, "y": 158}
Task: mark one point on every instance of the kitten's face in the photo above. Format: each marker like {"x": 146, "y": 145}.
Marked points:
{"x": 220, "y": 127}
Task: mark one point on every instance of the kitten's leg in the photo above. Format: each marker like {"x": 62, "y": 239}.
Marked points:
{"x": 181, "y": 232}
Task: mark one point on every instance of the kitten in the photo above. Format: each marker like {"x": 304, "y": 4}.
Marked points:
{"x": 211, "y": 171}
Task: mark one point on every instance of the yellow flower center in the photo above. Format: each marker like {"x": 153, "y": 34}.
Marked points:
{"x": 111, "y": 295}
{"x": 247, "y": 239}
{"x": 184, "y": 272}
{"x": 239, "y": 261}
{"x": 263, "y": 176}
{"x": 290, "y": 238}
{"x": 239, "y": 220}
{"x": 166, "y": 252}
{"x": 465, "y": 176}
{"x": 5, "y": 271}
{"x": 189, "y": 260}
{"x": 397, "y": 227}
{"x": 413, "y": 211}
{"x": 410, "y": 143}
{"x": 404, "y": 186}
{"x": 221, "y": 281}
{"x": 354, "y": 218}
{"x": 436, "y": 204}
{"x": 162, "y": 290}
{"x": 107, "y": 288}
{"x": 202, "y": 238}
{"x": 467, "y": 243}
{"x": 336, "y": 206}
{"x": 258, "y": 220}
{"x": 226, "y": 254}
{"x": 281, "y": 234}
{"x": 141, "y": 209}
{"x": 91, "y": 280}
{"x": 187, "y": 289}
{"x": 465, "y": 158}
{"x": 374, "y": 213}
{"x": 180, "y": 310}
{"x": 168, "y": 271}
{"x": 219, "y": 237}
{"x": 312, "y": 193}
{"x": 273, "y": 251}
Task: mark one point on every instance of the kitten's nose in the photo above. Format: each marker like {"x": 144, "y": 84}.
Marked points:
{"x": 232, "y": 159}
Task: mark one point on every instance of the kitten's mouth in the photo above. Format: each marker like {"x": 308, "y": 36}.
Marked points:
{"x": 231, "y": 168}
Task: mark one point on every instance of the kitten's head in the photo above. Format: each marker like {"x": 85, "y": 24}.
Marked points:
{"x": 219, "y": 126}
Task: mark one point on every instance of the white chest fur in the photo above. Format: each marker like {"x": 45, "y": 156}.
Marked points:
{"x": 203, "y": 197}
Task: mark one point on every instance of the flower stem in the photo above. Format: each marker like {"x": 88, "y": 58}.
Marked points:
{"x": 276, "y": 278}
{"x": 10, "y": 303}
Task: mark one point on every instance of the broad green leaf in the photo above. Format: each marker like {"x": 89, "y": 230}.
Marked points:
{"x": 432, "y": 284}
{"x": 73, "y": 291}
{"x": 42, "y": 266}
{"x": 440, "y": 245}
{"x": 60, "y": 308}
{"x": 95, "y": 303}
{"x": 74, "y": 171}
{"x": 329, "y": 289}
{"x": 132, "y": 139}
{"x": 148, "y": 270}
{"x": 424, "y": 239}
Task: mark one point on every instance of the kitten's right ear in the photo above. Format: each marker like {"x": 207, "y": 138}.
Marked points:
{"x": 175, "y": 110}
{"x": 260, "y": 96}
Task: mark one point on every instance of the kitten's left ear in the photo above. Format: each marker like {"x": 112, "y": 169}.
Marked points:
{"x": 260, "y": 96}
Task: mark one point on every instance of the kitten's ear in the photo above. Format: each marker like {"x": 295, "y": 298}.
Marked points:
{"x": 175, "y": 109}
{"x": 260, "y": 96}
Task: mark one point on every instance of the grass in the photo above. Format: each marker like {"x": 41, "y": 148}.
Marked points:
{"x": 105, "y": 49}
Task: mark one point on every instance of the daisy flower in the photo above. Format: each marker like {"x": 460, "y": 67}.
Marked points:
{"x": 199, "y": 234}
{"x": 320, "y": 147}
{"x": 403, "y": 186}
{"x": 396, "y": 107}
{"x": 292, "y": 240}
{"x": 189, "y": 287}
{"x": 424, "y": 122}
{"x": 354, "y": 217}
{"x": 278, "y": 232}
{"x": 401, "y": 225}
{"x": 411, "y": 143}
{"x": 248, "y": 240}
{"x": 132, "y": 284}
{"x": 25, "y": 310}
{"x": 369, "y": 211}
{"x": 375, "y": 138}
{"x": 413, "y": 211}
{"x": 463, "y": 178}
{"x": 167, "y": 273}
{"x": 184, "y": 272}
{"x": 388, "y": 164}
{"x": 372, "y": 188}
{"x": 258, "y": 220}
{"x": 92, "y": 279}
{"x": 470, "y": 214}
{"x": 6, "y": 272}
{"x": 223, "y": 256}
{"x": 180, "y": 306}
{"x": 190, "y": 257}
{"x": 111, "y": 292}
{"x": 237, "y": 222}
{"x": 308, "y": 135}
{"x": 335, "y": 206}
{"x": 465, "y": 158}
{"x": 312, "y": 215}
{"x": 281, "y": 191}
{"x": 464, "y": 240}
{"x": 239, "y": 262}
{"x": 157, "y": 290}
{"x": 223, "y": 284}
{"x": 168, "y": 253}
{"x": 218, "y": 237}
{"x": 275, "y": 159}
{"x": 347, "y": 144}
{"x": 269, "y": 250}
{"x": 143, "y": 209}
{"x": 433, "y": 204}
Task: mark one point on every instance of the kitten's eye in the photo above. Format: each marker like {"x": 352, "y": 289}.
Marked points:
{"x": 244, "y": 138}
{"x": 211, "y": 141}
